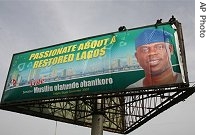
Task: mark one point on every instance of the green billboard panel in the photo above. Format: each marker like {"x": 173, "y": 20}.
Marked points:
{"x": 141, "y": 57}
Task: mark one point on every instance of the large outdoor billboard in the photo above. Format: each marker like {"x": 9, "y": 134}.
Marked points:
{"x": 136, "y": 58}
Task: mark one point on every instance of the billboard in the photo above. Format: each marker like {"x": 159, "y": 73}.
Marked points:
{"x": 142, "y": 57}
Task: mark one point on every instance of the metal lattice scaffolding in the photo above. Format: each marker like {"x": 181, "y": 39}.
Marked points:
{"x": 123, "y": 112}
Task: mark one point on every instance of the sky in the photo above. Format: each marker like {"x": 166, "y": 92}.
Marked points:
{"x": 28, "y": 24}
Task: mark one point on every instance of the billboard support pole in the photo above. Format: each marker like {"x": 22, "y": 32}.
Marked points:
{"x": 97, "y": 124}
{"x": 97, "y": 118}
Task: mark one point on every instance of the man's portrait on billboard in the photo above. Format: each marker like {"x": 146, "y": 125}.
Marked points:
{"x": 153, "y": 53}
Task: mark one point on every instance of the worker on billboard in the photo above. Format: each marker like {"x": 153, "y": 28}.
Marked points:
{"x": 153, "y": 53}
